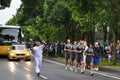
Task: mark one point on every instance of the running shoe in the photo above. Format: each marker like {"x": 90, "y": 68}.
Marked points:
{"x": 81, "y": 71}
{"x": 91, "y": 74}
{"x": 96, "y": 69}
{"x": 71, "y": 68}
{"x": 66, "y": 68}
{"x": 38, "y": 74}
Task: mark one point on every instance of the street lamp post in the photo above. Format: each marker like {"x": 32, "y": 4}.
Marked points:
{"x": 96, "y": 29}
{"x": 108, "y": 30}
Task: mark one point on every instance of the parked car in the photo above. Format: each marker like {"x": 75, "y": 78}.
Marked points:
{"x": 19, "y": 52}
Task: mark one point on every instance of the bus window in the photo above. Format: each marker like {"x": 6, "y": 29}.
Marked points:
{"x": 13, "y": 47}
{"x": 7, "y": 35}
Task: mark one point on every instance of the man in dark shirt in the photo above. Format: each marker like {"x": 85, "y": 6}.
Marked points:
{"x": 89, "y": 58}
{"x": 67, "y": 49}
{"x": 73, "y": 55}
{"x": 79, "y": 58}
{"x": 97, "y": 53}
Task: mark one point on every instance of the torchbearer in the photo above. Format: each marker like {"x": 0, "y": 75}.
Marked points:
{"x": 38, "y": 52}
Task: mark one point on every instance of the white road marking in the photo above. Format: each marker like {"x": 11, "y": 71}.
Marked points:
{"x": 43, "y": 77}
{"x": 94, "y": 71}
{"x": 26, "y": 68}
{"x": 107, "y": 75}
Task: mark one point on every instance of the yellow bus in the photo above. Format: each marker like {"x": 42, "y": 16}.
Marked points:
{"x": 9, "y": 35}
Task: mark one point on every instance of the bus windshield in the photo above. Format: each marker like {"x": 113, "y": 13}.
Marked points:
{"x": 8, "y": 35}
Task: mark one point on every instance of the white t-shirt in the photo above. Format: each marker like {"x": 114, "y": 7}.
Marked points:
{"x": 38, "y": 50}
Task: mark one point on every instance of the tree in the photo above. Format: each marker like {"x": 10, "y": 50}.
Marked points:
{"x": 30, "y": 10}
{"x": 4, "y": 4}
{"x": 114, "y": 23}
{"x": 84, "y": 13}
{"x": 75, "y": 19}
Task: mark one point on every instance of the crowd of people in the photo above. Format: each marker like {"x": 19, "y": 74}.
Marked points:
{"x": 79, "y": 56}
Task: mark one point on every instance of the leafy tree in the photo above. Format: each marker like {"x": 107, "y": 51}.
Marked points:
{"x": 4, "y": 4}
{"x": 114, "y": 22}
{"x": 60, "y": 17}
{"x": 30, "y": 10}
{"x": 75, "y": 19}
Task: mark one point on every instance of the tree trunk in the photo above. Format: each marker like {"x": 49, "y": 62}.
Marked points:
{"x": 114, "y": 21}
{"x": 114, "y": 48}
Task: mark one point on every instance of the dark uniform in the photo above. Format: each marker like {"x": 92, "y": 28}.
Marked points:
{"x": 89, "y": 57}
{"x": 73, "y": 55}
{"x": 79, "y": 57}
{"x": 68, "y": 46}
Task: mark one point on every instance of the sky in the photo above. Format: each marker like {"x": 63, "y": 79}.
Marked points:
{"x": 8, "y": 13}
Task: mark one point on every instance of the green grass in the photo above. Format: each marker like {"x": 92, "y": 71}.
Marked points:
{"x": 106, "y": 63}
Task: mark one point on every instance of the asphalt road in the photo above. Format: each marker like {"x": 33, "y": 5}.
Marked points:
{"x": 17, "y": 70}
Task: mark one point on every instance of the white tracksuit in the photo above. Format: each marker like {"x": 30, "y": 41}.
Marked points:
{"x": 38, "y": 50}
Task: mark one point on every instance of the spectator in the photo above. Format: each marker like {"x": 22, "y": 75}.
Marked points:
{"x": 58, "y": 49}
{"x": 109, "y": 53}
{"x": 118, "y": 51}
{"x": 62, "y": 49}
{"x": 102, "y": 51}
{"x": 96, "y": 56}
{"x": 51, "y": 48}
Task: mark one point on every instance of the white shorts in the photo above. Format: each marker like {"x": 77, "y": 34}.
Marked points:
{"x": 84, "y": 58}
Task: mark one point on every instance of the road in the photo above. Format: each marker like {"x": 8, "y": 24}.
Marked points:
{"x": 17, "y": 70}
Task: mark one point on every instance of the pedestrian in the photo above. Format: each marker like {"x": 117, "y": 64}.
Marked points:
{"x": 67, "y": 50}
{"x": 89, "y": 58}
{"x": 58, "y": 49}
{"x": 118, "y": 50}
{"x": 50, "y": 53}
{"x": 96, "y": 56}
{"x": 109, "y": 53}
{"x": 102, "y": 51}
{"x": 38, "y": 50}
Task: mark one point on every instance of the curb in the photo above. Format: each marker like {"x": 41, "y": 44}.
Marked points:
{"x": 109, "y": 69}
